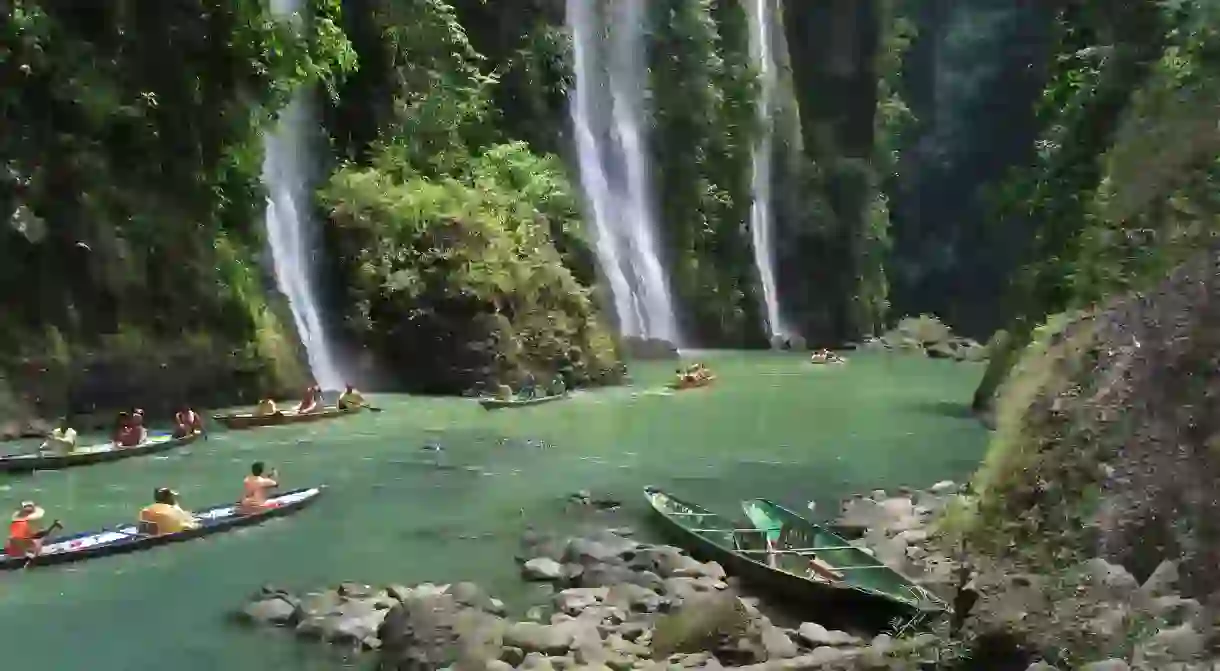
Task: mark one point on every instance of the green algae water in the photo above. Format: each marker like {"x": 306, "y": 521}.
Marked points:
{"x": 773, "y": 425}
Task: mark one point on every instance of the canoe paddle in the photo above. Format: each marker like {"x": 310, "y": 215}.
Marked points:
{"x": 54, "y": 525}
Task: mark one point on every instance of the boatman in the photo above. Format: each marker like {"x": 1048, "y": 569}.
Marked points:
{"x": 61, "y": 441}
{"x": 25, "y": 532}
{"x": 266, "y": 407}
{"x": 165, "y": 515}
{"x": 350, "y": 398}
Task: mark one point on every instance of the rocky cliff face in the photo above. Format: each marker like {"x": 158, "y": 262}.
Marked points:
{"x": 1109, "y": 434}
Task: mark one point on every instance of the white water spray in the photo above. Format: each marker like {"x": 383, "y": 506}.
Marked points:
{"x": 621, "y": 209}
{"x": 762, "y": 220}
{"x": 286, "y": 175}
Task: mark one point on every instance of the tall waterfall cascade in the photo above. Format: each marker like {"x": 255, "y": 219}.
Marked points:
{"x": 607, "y": 110}
{"x": 287, "y": 165}
{"x": 762, "y": 219}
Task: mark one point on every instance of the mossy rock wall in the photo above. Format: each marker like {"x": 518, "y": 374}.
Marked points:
{"x": 1107, "y": 435}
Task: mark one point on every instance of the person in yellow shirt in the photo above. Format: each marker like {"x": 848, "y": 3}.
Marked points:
{"x": 62, "y": 440}
{"x": 266, "y": 407}
{"x": 350, "y": 398}
{"x": 165, "y": 516}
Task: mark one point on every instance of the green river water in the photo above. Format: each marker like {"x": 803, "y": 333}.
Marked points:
{"x": 772, "y": 426}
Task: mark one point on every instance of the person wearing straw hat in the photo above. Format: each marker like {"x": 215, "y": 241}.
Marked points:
{"x": 165, "y": 516}
{"x": 25, "y": 532}
{"x": 60, "y": 441}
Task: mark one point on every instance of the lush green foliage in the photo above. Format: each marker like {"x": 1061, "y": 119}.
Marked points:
{"x": 131, "y": 169}
{"x": 703, "y": 133}
{"x": 462, "y": 253}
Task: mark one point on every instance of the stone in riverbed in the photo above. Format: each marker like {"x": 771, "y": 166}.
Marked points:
{"x": 276, "y": 611}
{"x": 420, "y": 633}
{"x": 817, "y": 635}
{"x": 542, "y": 569}
{"x": 575, "y": 599}
{"x": 633, "y": 597}
{"x": 549, "y": 639}
{"x": 512, "y": 655}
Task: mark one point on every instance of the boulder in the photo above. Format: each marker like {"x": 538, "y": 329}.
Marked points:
{"x": 542, "y": 569}
{"x": 648, "y": 349}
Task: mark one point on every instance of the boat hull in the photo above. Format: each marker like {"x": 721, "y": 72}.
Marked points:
{"x": 827, "y": 604}
{"x": 251, "y": 421}
{"x": 126, "y": 538}
{"x": 697, "y": 384}
{"x": 499, "y": 404}
{"x": 90, "y": 455}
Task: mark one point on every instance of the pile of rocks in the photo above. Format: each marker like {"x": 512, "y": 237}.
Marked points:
{"x": 615, "y": 604}
{"x": 929, "y": 336}
{"x": 1075, "y": 618}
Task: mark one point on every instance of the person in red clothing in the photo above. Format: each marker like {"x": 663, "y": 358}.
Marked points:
{"x": 129, "y": 432}
{"x": 25, "y": 532}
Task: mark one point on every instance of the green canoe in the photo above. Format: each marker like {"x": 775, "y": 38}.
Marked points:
{"x": 798, "y": 540}
{"x": 490, "y": 403}
{"x": 741, "y": 549}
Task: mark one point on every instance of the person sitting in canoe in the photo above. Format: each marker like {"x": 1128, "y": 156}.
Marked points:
{"x": 60, "y": 441}
{"x": 25, "y": 533}
{"x": 504, "y": 392}
{"x": 350, "y": 398}
{"x": 266, "y": 407}
{"x": 187, "y": 422}
{"x": 310, "y": 400}
{"x": 684, "y": 378}
{"x": 128, "y": 433}
{"x": 255, "y": 489}
{"x": 165, "y": 515}
{"x": 530, "y": 388}
{"x": 558, "y": 387}
{"x": 137, "y": 419}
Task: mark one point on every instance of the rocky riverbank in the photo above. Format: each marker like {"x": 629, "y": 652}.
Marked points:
{"x": 614, "y": 603}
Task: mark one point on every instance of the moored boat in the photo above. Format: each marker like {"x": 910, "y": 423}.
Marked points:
{"x": 742, "y": 549}
{"x": 491, "y": 403}
{"x": 797, "y": 541}
{"x": 93, "y": 454}
{"x": 127, "y": 538}
{"x": 249, "y": 420}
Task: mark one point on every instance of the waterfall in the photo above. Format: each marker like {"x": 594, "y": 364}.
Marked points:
{"x": 286, "y": 175}
{"x": 762, "y": 220}
{"x": 614, "y": 171}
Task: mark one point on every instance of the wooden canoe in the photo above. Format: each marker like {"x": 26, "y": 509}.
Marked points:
{"x": 126, "y": 538}
{"x": 491, "y": 403}
{"x": 93, "y": 454}
{"x": 798, "y": 540}
{"x": 250, "y": 421}
{"x": 741, "y": 549}
{"x": 700, "y": 382}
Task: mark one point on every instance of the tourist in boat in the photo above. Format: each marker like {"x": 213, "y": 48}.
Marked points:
{"x": 530, "y": 388}
{"x": 165, "y": 515}
{"x": 558, "y": 387}
{"x": 137, "y": 420}
{"x": 310, "y": 400}
{"x": 504, "y": 392}
{"x": 60, "y": 441}
{"x": 129, "y": 433}
{"x": 265, "y": 408}
{"x": 256, "y": 487}
{"x": 25, "y": 532}
{"x": 350, "y": 398}
{"x": 187, "y": 422}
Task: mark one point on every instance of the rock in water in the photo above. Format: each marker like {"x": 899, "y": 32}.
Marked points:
{"x": 702, "y": 622}
{"x": 648, "y": 349}
{"x": 420, "y": 633}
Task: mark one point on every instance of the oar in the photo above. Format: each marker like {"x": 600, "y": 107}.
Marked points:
{"x": 54, "y": 525}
